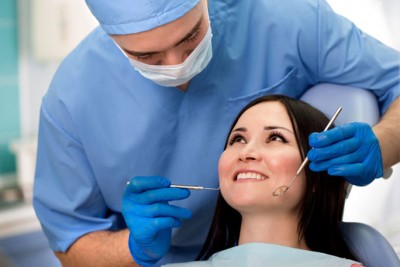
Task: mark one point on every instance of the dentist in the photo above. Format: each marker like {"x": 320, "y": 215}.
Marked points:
{"x": 148, "y": 97}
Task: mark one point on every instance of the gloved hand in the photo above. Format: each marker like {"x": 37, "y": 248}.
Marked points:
{"x": 150, "y": 218}
{"x": 351, "y": 150}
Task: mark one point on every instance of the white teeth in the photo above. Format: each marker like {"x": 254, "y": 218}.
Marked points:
{"x": 250, "y": 175}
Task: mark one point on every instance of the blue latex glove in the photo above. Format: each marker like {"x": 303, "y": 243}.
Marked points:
{"x": 351, "y": 150}
{"x": 150, "y": 218}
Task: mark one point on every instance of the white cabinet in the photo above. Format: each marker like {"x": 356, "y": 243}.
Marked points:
{"x": 57, "y": 26}
{"x": 18, "y": 220}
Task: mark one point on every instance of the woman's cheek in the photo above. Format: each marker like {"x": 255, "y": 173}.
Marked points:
{"x": 224, "y": 166}
{"x": 225, "y": 172}
{"x": 284, "y": 165}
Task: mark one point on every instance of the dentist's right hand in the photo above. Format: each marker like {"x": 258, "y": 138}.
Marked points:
{"x": 150, "y": 218}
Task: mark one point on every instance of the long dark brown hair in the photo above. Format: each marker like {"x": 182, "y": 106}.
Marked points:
{"x": 322, "y": 205}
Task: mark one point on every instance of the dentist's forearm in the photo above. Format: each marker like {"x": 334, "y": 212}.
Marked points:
{"x": 101, "y": 248}
{"x": 388, "y": 133}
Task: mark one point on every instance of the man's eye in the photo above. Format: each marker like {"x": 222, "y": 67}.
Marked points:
{"x": 193, "y": 37}
{"x": 144, "y": 57}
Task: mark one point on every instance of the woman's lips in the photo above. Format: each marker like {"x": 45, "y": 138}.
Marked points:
{"x": 249, "y": 175}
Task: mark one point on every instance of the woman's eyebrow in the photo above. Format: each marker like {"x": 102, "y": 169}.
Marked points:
{"x": 240, "y": 129}
{"x": 269, "y": 128}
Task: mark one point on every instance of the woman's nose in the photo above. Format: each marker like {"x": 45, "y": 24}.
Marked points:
{"x": 249, "y": 153}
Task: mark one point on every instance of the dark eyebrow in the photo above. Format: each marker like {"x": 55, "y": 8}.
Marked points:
{"x": 240, "y": 129}
{"x": 269, "y": 128}
{"x": 187, "y": 36}
{"x": 194, "y": 29}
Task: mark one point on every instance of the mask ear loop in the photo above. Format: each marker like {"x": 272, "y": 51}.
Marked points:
{"x": 120, "y": 49}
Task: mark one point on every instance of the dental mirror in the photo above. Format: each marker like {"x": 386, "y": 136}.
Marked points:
{"x": 284, "y": 188}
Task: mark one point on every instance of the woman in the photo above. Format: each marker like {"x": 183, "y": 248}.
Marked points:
{"x": 265, "y": 147}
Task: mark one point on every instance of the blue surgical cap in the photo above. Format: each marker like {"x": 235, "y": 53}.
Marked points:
{"x": 133, "y": 16}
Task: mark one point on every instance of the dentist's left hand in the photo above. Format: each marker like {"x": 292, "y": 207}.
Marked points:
{"x": 351, "y": 150}
{"x": 150, "y": 218}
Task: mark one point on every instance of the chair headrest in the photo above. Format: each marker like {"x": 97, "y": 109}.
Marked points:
{"x": 358, "y": 104}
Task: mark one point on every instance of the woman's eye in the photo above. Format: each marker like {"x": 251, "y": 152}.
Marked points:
{"x": 276, "y": 137}
{"x": 239, "y": 140}
{"x": 236, "y": 139}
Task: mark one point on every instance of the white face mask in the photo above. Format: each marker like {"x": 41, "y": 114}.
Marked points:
{"x": 174, "y": 75}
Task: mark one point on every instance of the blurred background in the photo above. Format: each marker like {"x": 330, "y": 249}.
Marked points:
{"x": 35, "y": 35}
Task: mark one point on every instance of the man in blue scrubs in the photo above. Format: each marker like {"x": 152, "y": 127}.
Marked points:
{"x": 149, "y": 96}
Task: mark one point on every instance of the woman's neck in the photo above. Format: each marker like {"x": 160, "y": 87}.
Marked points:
{"x": 276, "y": 229}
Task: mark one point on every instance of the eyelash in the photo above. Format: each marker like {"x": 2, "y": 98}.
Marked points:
{"x": 193, "y": 37}
{"x": 235, "y": 136}
{"x": 144, "y": 58}
{"x": 277, "y": 134}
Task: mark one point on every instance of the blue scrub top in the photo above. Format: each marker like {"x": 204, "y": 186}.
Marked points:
{"x": 102, "y": 123}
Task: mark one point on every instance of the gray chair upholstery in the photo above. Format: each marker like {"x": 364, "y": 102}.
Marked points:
{"x": 358, "y": 104}
{"x": 369, "y": 246}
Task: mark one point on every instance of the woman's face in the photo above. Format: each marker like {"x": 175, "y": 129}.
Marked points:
{"x": 261, "y": 155}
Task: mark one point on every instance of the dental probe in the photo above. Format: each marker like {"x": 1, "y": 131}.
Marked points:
{"x": 190, "y": 187}
{"x": 284, "y": 188}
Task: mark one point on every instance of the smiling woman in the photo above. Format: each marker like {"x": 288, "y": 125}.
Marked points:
{"x": 261, "y": 154}
{"x": 265, "y": 146}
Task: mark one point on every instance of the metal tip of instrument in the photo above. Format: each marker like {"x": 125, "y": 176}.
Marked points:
{"x": 190, "y": 187}
{"x": 209, "y": 188}
{"x": 193, "y": 187}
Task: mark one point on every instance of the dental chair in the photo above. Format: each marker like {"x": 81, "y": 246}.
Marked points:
{"x": 368, "y": 245}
